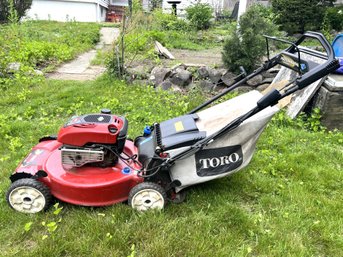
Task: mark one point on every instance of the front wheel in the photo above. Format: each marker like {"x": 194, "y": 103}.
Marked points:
{"x": 28, "y": 196}
{"x": 146, "y": 196}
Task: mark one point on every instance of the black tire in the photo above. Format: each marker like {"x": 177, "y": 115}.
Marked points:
{"x": 28, "y": 196}
{"x": 146, "y": 196}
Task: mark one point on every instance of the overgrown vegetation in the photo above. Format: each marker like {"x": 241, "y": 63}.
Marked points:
{"x": 143, "y": 29}
{"x": 13, "y": 10}
{"x": 246, "y": 45}
{"x": 40, "y": 45}
{"x": 199, "y": 15}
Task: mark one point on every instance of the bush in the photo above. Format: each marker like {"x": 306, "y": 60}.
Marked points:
{"x": 334, "y": 18}
{"x": 297, "y": 16}
{"x": 20, "y": 7}
{"x": 246, "y": 45}
{"x": 164, "y": 21}
{"x": 199, "y": 15}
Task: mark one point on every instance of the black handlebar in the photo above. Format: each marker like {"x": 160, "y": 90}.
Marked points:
{"x": 323, "y": 41}
{"x": 330, "y": 65}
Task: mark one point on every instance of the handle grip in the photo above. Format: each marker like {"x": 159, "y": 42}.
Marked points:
{"x": 317, "y": 73}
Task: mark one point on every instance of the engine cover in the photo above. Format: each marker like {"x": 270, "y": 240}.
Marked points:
{"x": 94, "y": 128}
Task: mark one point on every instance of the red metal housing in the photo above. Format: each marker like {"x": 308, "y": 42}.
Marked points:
{"x": 87, "y": 185}
{"x": 93, "y": 128}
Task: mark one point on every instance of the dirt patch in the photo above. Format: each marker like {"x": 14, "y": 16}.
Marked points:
{"x": 208, "y": 57}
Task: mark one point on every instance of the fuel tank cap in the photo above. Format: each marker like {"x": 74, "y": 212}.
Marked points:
{"x": 106, "y": 111}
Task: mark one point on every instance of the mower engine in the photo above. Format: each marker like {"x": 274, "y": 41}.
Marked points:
{"x": 93, "y": 139}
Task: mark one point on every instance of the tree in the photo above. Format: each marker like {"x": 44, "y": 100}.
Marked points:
{"x": 20, "y": 6}
{"x": 297, "y": 16}
{"x": 246, "y": 45}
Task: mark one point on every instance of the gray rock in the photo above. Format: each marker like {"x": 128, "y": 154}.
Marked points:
{"x": 179, "y": 65}
{"x": 138, "y": 72}
{"x": 214, "y": 75}
{"x": 267, "y": 81}
{"x": 176, "y": 88}
{"x": 13, "y": 67}
{"x": 39, "y": 73}
{"x": 243, "y": 89}
{"x": 220, "y": 87}
{"x": 203, "y": 72}
{"x": 269, "y": 74}
{"x": 228, "y": 78}
{"x": 255, "y": 81}
{"x": 222, "y": 71}
{"x": 206, "y": 86}
{"x": 165, "y": 85}
{"x": 158, "y": 75}
{"x": 181, "y": 77}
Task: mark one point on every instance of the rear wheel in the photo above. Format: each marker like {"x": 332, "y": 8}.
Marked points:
{"x": 28, "y": 196}
{"x": 146, "y": 196}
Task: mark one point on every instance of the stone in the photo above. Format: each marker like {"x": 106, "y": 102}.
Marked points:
{"x": 269, "y": 74}
{"x": 203, "y": 72}
{"x": 181, "y": 77}
{"x": 39, "y": 72}
{"x": 165, "y": 85}
{"x": 255, "y": 81}
{"x": 179, "y": 65}
{"x": 176, "y": 89}
{"x": 206, "y": 86}
{"x": 158, "y": 75}
{"x": 243, "y": 89}
{"x": 262, "y": 87}
{"x": 13, "y": 67}
{"x": 214, "y": 75}
{"x": 219, "y": 87}
{"x": 329, "y": 100}
{"x": 228, "y": 78}
{"x": 267, "y": 81}
{"x": 138, "y": 72}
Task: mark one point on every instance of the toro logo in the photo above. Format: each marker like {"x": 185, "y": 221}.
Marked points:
{"x": 211, "y": 162}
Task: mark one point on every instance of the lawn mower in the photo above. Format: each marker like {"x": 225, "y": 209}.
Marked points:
{"x": 92, "y": 163}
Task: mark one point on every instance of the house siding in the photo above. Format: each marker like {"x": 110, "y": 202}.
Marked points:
{"x": 85, "y": 11}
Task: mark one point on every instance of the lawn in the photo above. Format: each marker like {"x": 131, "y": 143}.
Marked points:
{"x": 287, "y": 202}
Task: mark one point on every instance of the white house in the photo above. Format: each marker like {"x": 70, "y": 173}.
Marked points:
{"x": 217, "y": 5}
{"x": 66, "y": 10}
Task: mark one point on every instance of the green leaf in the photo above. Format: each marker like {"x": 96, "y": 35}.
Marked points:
{"x": 28, "y": 226}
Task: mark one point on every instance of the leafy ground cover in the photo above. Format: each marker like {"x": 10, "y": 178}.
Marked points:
{"x": 41, "y": 45}
{"x": 287, "y": 202}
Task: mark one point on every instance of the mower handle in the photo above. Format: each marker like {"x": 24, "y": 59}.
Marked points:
{"x": 330, "y": 65}
{"x": 314, "y": 35}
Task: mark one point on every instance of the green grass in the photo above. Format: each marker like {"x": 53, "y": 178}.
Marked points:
{"x": 41, "y": 45}
{"x": 287, "y": 202}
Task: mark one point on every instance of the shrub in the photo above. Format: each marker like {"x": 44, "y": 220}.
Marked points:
{"x": 334, "y": 18}
{"x": 164, "y": 21}
{"x": 297, "y": 16}
{"x": 20, "y": 7}
{"x": 246, "y": 45}
{"x": 199, "y": 15}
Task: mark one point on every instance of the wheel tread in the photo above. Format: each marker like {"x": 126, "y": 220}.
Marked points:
{"x": 31, "y": 183}
{"x": 147, "y": 185}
